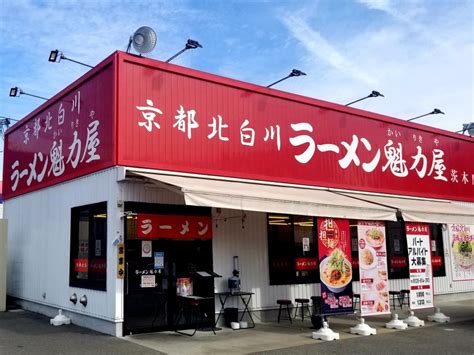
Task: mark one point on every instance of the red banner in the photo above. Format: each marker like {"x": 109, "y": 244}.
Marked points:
{"x": 334, "y": 244}
{"x": 152, "y": 226}
{"x": 398, "y": 261}
{"x": 437, "y": 260}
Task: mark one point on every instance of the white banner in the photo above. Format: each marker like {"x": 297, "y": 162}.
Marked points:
{"x": 461, "y": 244}
{"x": 373, "y": 268}
{"x": 419, "y": 261}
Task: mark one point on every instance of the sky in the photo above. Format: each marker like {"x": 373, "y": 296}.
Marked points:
{"x": 419, "y": 54}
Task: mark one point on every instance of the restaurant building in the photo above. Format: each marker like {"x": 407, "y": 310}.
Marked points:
{"x": 143, "y": 180}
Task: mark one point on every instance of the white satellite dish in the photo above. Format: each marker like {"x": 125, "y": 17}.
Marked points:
{"x": 143, "y": 40}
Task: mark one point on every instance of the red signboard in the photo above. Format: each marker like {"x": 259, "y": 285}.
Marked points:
{"x": 398, "y": 261}
{"x": 171, "y": 118}
{"x": 152, "y": 226}
{"x": 81, "y": 265}
{"x": 69, "y": 136}
{"x": 177, "y": 119}
{"x": 437, "y": 260}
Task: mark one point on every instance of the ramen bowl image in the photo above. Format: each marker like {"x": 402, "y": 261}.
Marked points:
{"x": 464, "y": 253}
{"x": 336, "y": 271}
{"x": 375, "y": 237}
{"x": 367, "y": 258}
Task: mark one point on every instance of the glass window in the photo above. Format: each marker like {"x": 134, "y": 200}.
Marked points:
{"x": 292, "y": 246}
{"x": 397, "y": 251}
{"x": 437, "y": 250}
{"x": 88, "y": 257}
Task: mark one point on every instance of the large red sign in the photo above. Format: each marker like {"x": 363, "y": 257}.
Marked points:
{"x": 178, "y": 119}
{"x": 153, "y": 226}
{"x": 69, "y": 136}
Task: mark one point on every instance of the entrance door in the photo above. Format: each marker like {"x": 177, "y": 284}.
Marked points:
{"x": 151, "y": 276}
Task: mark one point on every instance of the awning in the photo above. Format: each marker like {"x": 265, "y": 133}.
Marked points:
{"x": 251, "y": 196}
{"x": 422, "y": 210}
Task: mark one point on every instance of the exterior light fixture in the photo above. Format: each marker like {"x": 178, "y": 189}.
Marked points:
{"x": 16, "y": 92}
{"x": 294, "y": 72}
{"x": 190, "y": 44}
{"x": 469, "y": 127}
{"x": 5, "y": 123}
{"x": 434, "y": 112}
{"x": 56, "y": 56}
{"x": 372, "y": 94}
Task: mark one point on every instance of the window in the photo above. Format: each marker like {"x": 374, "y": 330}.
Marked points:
{"x": 397, "y": 252}
{"x": 88, "y": 257}
{"x": 292, "y": 249}
{"x": 437, "y": 250}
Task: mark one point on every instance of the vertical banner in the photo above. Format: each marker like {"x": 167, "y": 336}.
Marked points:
{"x": 373, "y": 268}
{"x": 335, "y": 265}
{"x": 419, "y": 260}
{"x": 461, "y": 242}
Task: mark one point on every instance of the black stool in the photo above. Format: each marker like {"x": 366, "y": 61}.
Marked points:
{"x": 304, "y": 307}
{"x": 394, "y": 296}
{"x": 356, "y": 300}
{"x": 286, "y": 303}
{"x": 404, "y": 295}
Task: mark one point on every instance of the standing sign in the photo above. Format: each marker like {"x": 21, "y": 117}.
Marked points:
{"x": 335, "y": 265}
{"x": 373, "y": 268}
{"x": 461, "y": 242}
{"x": 419, "y": 259}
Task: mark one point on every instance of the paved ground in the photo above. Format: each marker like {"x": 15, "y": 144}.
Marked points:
{"x": 28, "y": 333}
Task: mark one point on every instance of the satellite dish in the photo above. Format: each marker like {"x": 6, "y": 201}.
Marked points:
{"x": 144, "y": 39}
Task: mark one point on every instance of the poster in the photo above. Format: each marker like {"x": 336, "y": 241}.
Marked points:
{"x": 373, "y": 268}
{"x": 461, "y": 244}
{"x": 147, "y": 281}
{"x": 335, "y": 268}
{"x": 159, "y": 257}
{"x": 146, "y": 248}
{"x": 419, "y": 260}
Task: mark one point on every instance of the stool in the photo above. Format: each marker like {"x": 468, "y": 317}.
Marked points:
{"x": 404, "y": 294}
{"x": 356, "y": 300}
{"x": 304, "y": 302}
{"x": 287, "y": 304}
{"x": 394, "y": 296}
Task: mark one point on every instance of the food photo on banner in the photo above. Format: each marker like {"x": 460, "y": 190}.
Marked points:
{"x": 335, "y": 268}
{"x": 373, "y": 268}
{"x": 461, "y": 242}
{"x": 419, "y": 260}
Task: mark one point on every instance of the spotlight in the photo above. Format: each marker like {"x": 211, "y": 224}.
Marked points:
{"x": 294, "y": 72}
{"x": 190, "y": 44}
{"x": 56, "y": 56}
{"x": 16, "y": 92}
{"x": 372, "y": 94}
{"x": 434, "y": 112}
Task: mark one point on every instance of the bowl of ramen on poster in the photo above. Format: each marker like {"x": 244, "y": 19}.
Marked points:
{"x": 336, "y": 271}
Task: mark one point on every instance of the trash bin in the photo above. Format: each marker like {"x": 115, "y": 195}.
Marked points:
{"x": 231, "y": 315}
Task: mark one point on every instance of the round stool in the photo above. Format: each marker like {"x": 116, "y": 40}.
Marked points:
{"x": 303, "y": 303}
{"x": 405, "y": 296}
{"x": 286, "y": 303}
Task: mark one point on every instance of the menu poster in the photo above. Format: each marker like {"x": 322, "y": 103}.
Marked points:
{"x": 335, "y": 268}
{"x": 373, "y": 268}
{"x": 461, "y": 242}
{"x": 419, "y": 260}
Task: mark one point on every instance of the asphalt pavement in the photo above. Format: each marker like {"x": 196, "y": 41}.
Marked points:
{"x": 23, "y": 332}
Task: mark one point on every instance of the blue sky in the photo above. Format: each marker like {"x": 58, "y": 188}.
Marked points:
{"x": 419, "y": 54}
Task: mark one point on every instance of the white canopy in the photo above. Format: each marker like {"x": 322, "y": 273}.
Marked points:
{"x": 262, "y": 197}
{"x": 422, "y": 210}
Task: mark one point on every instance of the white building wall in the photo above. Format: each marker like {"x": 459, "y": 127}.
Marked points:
{"x": 39, "y": 245}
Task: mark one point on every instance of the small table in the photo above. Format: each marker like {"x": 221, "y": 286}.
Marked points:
{"x": 224, "y": 296}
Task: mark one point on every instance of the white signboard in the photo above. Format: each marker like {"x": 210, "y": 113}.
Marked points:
{"x": 461, "y": 243}
{"x": 419, "y": 261}
{"x": 148, "y": 281}
{"x": 373, "y": 268}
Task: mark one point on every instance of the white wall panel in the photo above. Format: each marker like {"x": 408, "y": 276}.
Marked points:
{"x": 39, "y": 244}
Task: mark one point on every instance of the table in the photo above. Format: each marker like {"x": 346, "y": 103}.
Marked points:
{"x": 194, "y": 305}
{"x": 224, "y": 296}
